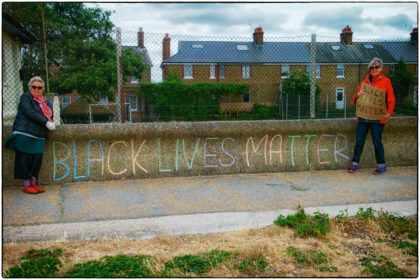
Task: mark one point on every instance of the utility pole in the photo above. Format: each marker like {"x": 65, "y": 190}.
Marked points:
{"x": 45, "y": 46}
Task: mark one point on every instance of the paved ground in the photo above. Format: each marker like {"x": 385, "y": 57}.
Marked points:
{"x": 146, "y": 207}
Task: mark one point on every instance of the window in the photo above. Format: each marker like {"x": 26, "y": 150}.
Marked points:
{"x": 340, "y": 70}
{"x": 285, "y": 70}
{"x": 393, "y": 67}
{"x": 246, "y": 71}
{"x": 335, "y": 48}
{"x": 197, "y": 46}
{"x": 77, "y": 97}
{"x": 212, "y": 71}
{"x": 66, "y": 101}
{"x": 246, "y": 97}
{"x": 132, "y": 99}
{"x": 242, "y": 47}
{"x": 188, "y": 71}
{"x": 368, "y": 46}
{"x": 318, "y": 71}
{"x": 103, "y": 100}
{"x": 221, "y": 72}
{"x": 134, "y": 80}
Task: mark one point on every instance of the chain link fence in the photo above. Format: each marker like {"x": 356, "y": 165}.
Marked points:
{"x": 196, "y": 78}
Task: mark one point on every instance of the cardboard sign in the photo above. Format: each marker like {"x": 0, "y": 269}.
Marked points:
{"x": 371, "y": 105}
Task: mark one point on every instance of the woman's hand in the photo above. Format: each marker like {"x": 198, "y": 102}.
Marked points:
{"x": 50, "y": 125}
{"x": 387, "y": 116}
{"x": 360, "y": 93}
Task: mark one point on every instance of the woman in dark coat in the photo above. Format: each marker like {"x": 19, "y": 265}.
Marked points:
{"x": 33, "y": 122}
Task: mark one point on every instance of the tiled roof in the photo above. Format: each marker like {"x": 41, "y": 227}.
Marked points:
{"x": 358, "y": 52}
{"x": 290, "y": 52}
{"x": 239, "y": 52}
{"x": 405, "y": 50}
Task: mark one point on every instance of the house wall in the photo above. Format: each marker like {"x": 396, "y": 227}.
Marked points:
{"x": 12, "y": 85}
{"x": 147, "y": 150}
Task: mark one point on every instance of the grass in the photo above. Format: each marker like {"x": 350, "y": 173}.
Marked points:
{"x": 370, "y": 244}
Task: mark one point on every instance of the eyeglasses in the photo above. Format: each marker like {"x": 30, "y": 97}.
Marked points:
{"x": 375, "y": 67}
{"x": 34, "y": 87}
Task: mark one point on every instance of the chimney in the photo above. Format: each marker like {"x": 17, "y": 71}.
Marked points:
{"x": 140, "y": 38}
{"x": 346, "y": 36}
{"x": 258, "y": 36}
{"x": 415, "y": 35}
{"x": 166, "y": 47}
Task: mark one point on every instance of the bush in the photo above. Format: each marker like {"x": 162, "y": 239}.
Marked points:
{"x": 304, "y": 224}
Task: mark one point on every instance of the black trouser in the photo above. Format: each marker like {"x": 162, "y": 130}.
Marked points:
{"x": 27, "y": 165}
{"x": 376, "y": 130}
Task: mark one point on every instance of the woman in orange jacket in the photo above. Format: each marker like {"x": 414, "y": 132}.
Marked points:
{"x": 376, "y": 79}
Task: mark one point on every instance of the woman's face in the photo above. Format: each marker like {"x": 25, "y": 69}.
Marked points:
{"x": 375, "y": 69}
{"x": 37, "y": 89}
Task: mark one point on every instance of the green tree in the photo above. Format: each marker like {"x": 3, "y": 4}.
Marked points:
{"x": 133, "y": 63}
{"x": 297, "y": 87}
{"x": 401, "y": 81}
{"x": 80, "y": 49}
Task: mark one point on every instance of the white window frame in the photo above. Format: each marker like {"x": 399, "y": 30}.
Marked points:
{"x": 249, "y": 95}
{"x": 246, "y": 71}
{"x": 342, "y": 90}
{"x": 188, "y": 72}
{"x": 133, "y": 108}
{"x": 134, "y": 80}
{"x": 317, "y": 73}
{"x": 222, "y": 73}
{"x": 65, "y": 101}
{"x": 103, "y": 100}
{"x": 212, "y": 71}
{"x": 340, "y": 68}
{"x": 285, "y": 70}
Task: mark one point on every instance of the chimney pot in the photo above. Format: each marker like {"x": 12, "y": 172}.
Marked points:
{"x": 140, "y": 38}
{"x": 415, "y": 35}
{"x": 346, "y": 36}
{"x": 258, "y": 36}
{"x": 166, "y": 47}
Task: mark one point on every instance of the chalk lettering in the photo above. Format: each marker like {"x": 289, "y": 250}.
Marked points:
{"x": 134, "y": 157}
{"x": 307, "y": 147}
{"x": 291, "y": 147}
{"x": 95, "y": 159}
{"x": 160, "y": 160}
{"x": 339, "y": 151}
{"x": 227, "y": 153}
{"x": 109, "y": 158}
{"x": 208, "y": 155}
{"x": 276, "y": 151}
{"x": 256, "y": 149}
{"x": 75, "y": 162}
{"x": 60, "y": 162}
{"x": 318, "y": 150}
{"x": 190, "y": 164}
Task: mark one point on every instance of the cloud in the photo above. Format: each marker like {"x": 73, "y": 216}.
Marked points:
{"x": 334, "y": 18}
{"x": 399, "y": 21}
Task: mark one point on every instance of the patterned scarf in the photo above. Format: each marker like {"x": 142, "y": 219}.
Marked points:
{"x": 44, "y": 107}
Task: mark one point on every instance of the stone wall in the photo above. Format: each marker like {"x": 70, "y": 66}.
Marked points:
{"x": 146, "y": 150}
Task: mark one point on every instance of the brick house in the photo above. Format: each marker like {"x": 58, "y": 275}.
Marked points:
{"x": 128, "y": 90}
{"x": 341, "y": 66}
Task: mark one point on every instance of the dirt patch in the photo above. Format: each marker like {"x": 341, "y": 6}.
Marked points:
{"x": 345, "y": 246}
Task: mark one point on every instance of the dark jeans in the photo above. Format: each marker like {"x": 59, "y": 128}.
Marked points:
{"x": 376, "y": 130}
{"x": 27, "y": 165}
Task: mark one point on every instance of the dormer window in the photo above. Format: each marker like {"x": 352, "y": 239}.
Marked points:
{"x": 197, "y": 46}
{"x": 368, "y": 46}
{"x": 336, "y": 48}
{"x": 242, "y": 47}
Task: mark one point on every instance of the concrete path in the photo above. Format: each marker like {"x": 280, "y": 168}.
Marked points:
{"x": 143, "y": 208}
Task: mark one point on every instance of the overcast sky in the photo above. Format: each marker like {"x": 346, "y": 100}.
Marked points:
{"x": 377, "y": 20}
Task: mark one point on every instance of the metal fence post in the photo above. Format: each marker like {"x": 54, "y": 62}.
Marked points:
{"x": 119, "y": 79}
{"x": 313, "y": 75}
{"x": 299, "y": 107}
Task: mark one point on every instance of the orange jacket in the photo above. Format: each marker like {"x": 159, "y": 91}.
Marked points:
{"x": 382, "y": 82}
